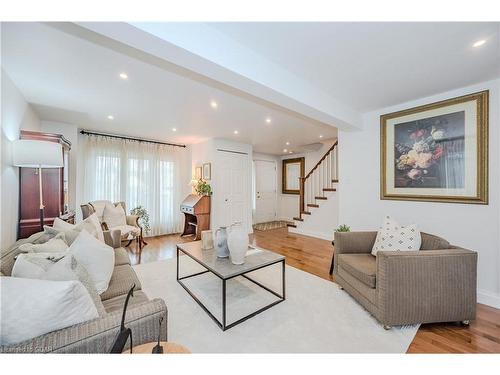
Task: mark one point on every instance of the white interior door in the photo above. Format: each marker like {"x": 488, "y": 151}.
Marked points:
{"x": 265, "y": 191}
{"x": 233, "y": 187}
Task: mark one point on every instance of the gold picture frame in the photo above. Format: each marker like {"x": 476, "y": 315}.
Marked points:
{"x": 291, "y": 170}
{"x": 436, "y": 152}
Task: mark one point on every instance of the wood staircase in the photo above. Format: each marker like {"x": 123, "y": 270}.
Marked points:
{"x": 320, "y": 180}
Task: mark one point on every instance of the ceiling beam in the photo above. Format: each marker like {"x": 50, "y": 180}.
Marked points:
{"x": 200, "y": 52}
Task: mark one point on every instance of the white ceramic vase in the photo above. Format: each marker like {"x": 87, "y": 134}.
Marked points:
{"x": 221, "y": 243}
{"x": 237, "y": 241}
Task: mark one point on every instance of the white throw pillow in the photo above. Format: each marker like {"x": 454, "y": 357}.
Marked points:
{"x": 54, "y": 245}
{"x": 31, "y": 308}
{"x": 99, "y": 207}
{"x": 91, "y": 224}
{"x": 34, "y": 265}
{"x": 63, "y": 268}
{"x": 394, "y": 237}
{"x": 97, "y": 258}
{"x": 114, "y": 216}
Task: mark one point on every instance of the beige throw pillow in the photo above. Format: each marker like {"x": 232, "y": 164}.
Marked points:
{"x": 71, "y": 231}
{"x": 54, "y": 245}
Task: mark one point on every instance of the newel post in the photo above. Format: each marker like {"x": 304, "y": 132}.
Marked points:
{"x": 302, "y": 194}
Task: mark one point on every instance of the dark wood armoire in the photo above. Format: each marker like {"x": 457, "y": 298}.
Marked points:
{"x": 54, "y": 188}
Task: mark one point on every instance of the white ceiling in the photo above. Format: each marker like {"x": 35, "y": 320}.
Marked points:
{"x": 71, "y": 77}
{"x": 72, "y": 80}
{"x": 373, "y": 65}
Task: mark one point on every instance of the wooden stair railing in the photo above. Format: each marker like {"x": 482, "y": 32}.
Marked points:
{"x": 319, "y": 179}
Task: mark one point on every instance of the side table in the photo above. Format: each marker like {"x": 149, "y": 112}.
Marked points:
{"x": 168, "y": 348}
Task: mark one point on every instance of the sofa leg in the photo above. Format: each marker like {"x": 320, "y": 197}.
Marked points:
{"x": 465, "y": 322}
{"x": 387, "y": 328}
{"x": 341, "y": 287}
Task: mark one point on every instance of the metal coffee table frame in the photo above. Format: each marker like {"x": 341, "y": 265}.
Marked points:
{"x": 223, "y": 325}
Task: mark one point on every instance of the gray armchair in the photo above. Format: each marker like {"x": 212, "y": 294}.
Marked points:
{"x": 435, "y": 284}
{"x": 129, "y": 232}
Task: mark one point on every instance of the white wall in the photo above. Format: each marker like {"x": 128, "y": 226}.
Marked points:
{"x": 17, "y": 114}
{"x": 472, "y": 226}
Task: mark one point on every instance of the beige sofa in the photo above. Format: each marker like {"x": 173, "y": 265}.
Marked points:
{"x": 435, "y": 284}
{"x": 98, "y": 335}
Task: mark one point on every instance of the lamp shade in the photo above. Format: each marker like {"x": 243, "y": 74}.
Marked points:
{"x": 37, "y": 154}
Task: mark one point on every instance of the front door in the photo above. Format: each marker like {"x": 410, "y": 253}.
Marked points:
{"x": 265, "y": 191}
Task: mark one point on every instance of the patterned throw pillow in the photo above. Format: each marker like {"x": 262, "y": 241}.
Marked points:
{"x": 394, "y": 237}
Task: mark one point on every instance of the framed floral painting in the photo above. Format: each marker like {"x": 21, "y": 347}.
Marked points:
{"x": 437, "y": 152}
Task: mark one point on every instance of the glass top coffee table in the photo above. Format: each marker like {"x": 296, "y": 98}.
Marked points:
{"x": 225, "y": 270}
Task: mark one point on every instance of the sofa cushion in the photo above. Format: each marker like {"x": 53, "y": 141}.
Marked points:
{"x": 121, "y": 256}
{"x": 117, "y": 303}
{"x": 121, "y": 281}
{"x": 8, "y": 255}
{"x": 127, "y": 230}
{"x": 361, "y": 266}
{"x": 432, "y": 242}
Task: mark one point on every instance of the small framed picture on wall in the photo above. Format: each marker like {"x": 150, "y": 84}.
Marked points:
{"x": 207, "y": 171}
{"x": 197, "y": 173}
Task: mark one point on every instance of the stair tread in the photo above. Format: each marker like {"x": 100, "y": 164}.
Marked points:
{"x": 312, "y": 205}
{"x": 334, "y": 181}
{"x": 298, "y": 219}
{"x": 322, "y": 198}
{"x": 329, "y": 189}
{"x": 306, "y": 212}
{"x": 291, "y": 225}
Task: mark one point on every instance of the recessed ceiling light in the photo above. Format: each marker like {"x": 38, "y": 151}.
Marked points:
{"x": 213, "y": 104}
{"x": 321, "y": 135}
{"x": 123, "y": 76}
{"x": 479, "y": 43}
{"x": 236, "y": 132}
{"x": 111, "y": 117}
{"x": 174, "y": 129}
{"x": 288, "y": 143}
{"x": 268, "y": 120}
{"x": 290, "y": 152}
{"x": 285, "y": 150}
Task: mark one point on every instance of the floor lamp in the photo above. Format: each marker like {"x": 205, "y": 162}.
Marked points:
{"x": 37, "y": 154}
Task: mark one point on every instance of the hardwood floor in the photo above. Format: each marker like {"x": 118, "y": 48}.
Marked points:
{"x": 314, "y": 256}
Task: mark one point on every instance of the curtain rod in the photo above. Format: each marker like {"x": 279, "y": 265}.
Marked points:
{"x": 86, "y": 132}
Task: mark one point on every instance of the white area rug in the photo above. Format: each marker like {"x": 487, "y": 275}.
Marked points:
{"x": 316, "y": 317}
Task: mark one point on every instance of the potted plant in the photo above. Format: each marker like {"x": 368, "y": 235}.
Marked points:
{"x": 203, "y": 188}
{"x": 143, "y": 218}
{"x": 341, "y": 228}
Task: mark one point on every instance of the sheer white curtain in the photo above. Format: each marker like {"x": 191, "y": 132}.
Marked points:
{"x": 144, "y": 174}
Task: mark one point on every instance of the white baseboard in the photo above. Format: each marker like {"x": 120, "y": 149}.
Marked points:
{"x": 488, "y": 298}
{"x": 323, "y": 236}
